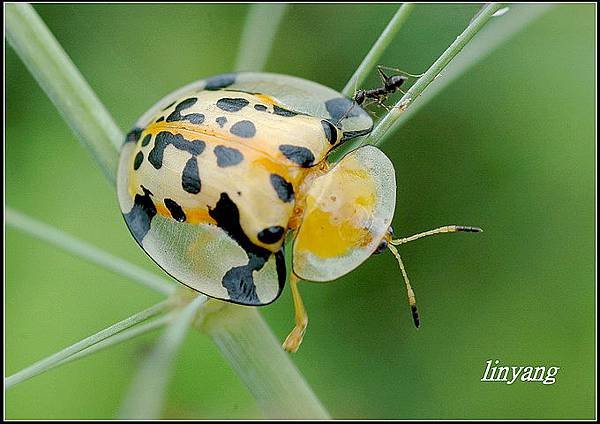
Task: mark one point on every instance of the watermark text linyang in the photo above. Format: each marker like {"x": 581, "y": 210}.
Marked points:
{"x": 510, "y": 374}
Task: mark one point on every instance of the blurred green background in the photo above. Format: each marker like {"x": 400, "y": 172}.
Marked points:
{"x": 509, "y": 146}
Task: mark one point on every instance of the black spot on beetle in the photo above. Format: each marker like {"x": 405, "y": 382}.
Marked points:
{"x": 280, "y": 266}
{"x": 195, "y": 147}
{"x": 176, "y": 211}
{"x": 341, "y": 107}
{"x": 220, "y": 81}
{"x": 155, "y": 157}
{"x": 187, "y": 103}
{"x": 133, "y": 135}
{"x": 239, "y": 280}
{"x": 227, "y": 156}
{"x": 301, "y": 155}
{"x": 349, "y": 135}
{"x": 169, "y": 105}
{"x": 232, "y": 105}
{"x": 162, "y": 118}
{"x": 164, "y": 138}
{"x": 277, "y": 110}
{"x": 137, "y": 162}
{"x": 330, "y": 131}
{"x": 221, "y": 120}
{"x": 284, "y": 189}
{"x": 227, "y": 216}
{"x": 260, "y": 108}
{"x": 139, "y": 217}
{"x": 245, "y": 129}
{"x": 271, "y": 235}
{"x": 146, "y": 139}
{"x": 194, "y": 118}
{"x": 174, "y": 116}
{"x": 190, "y": 177}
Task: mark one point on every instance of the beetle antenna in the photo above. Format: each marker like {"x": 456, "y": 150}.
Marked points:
{"x": 440, "y": 230}
{"x": 412, "y": 301}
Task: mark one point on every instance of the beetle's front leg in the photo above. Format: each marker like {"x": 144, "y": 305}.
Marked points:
{"x": 293, "y": 340}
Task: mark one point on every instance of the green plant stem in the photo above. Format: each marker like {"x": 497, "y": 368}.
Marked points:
{"x": 86, "y": 251}
{"x": 261, "y": 25}
{"x": 247, "y": 342}
{"x": 499, "y": 31}
{"x": 52, "y": 360}
{"x": 64, "y": 85}
{"x": 384, "y": 126}
{"x": 384, "y": 40}
{"x": 146, "y": 394}
{"x": 123, "y": 336}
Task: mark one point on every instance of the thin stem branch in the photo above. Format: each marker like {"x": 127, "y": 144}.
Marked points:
{"x": 249, "y": 345}
{"x": 52, "y": 360}
{"x": 146, "y": 394}
{"x": 258, "y": 35}
{"x": 64, "y": 85}
{"x": 86, "y": 251}
{"x": 377, "y": 50}
{"x": 487, "y": 40}
{"x": 434, "y": 70}
{"x": 123, "y": 336}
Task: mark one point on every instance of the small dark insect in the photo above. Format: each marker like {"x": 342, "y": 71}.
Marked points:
{"x": 391, "y": 84}
{"x": 378, "y": 95}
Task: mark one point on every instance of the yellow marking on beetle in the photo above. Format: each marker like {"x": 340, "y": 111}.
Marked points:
{"x": 162, "y": 210}
{"x": 338, "y": 215}
{"x": 133, "y": 185}
{"x": 268, "y": 165}
{"x": 330, "y": 238}
{"x": 366, "y": 201}
{"x": 198, "y": 216}
{"x": 266, "y": 99}
{"x": 187, "y": 129}
{"x": 192, "y": 216}
{"x": 272, "y": 166}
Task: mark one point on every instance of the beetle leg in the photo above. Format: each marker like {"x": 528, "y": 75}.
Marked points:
{"x": 293, "y": 340}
